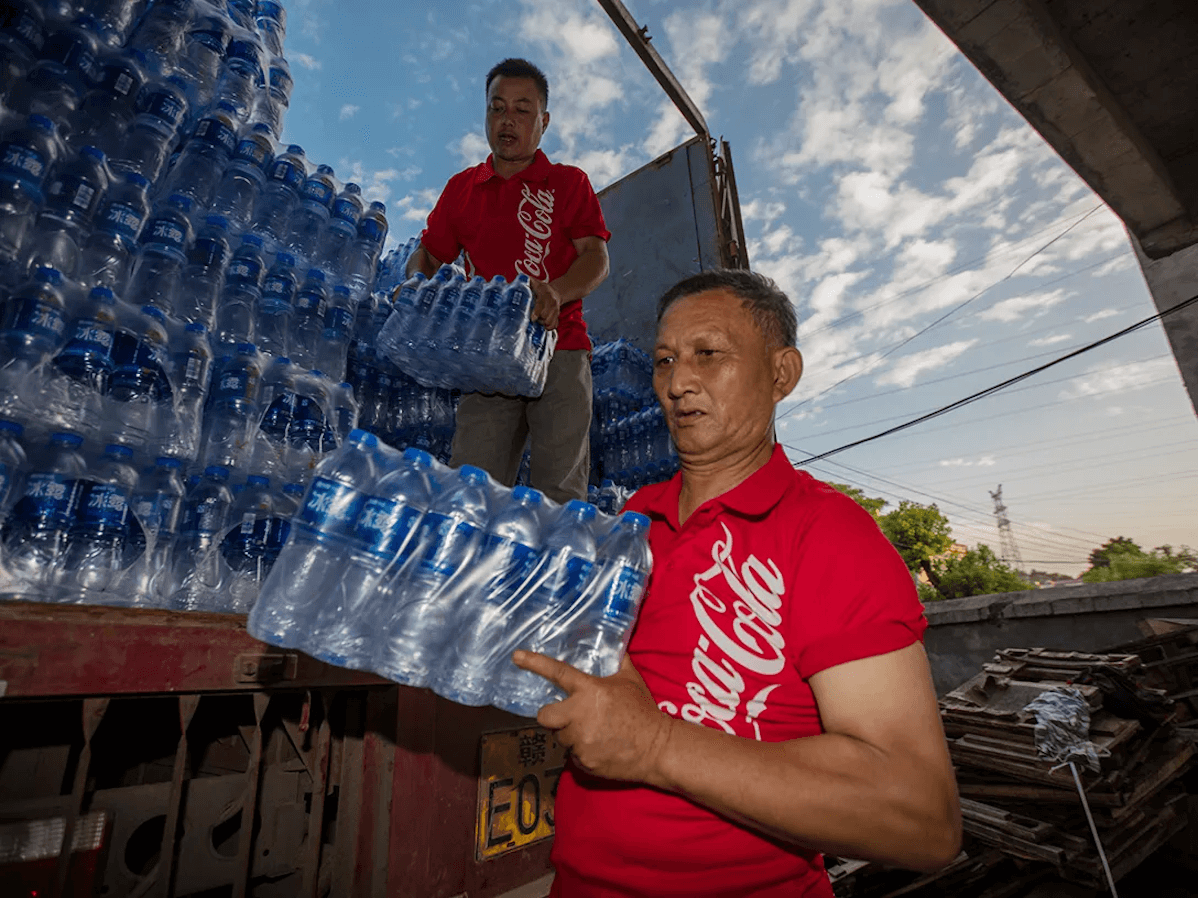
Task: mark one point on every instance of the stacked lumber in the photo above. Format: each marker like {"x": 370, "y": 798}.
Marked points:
{"x": 1170, "y": 663}
{"x": 1023, "y": 819}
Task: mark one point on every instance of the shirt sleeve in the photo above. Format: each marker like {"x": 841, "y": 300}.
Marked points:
{"x": 587, "y": 220}
{"x": 438, "y": 236}
{"x": 855, "y": 597}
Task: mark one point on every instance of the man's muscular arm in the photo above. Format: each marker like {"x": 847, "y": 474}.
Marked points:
{"x": 877, "y": 784}
{"x": 585, "y": 273}
{"x": 423, "y": 261}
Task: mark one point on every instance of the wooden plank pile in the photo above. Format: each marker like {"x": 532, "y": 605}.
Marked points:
{"x": 1170, "y": 663}
{"x": 1024, "y": 820}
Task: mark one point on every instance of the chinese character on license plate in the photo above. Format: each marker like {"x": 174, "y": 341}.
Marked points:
{"x": 516, "y": 788}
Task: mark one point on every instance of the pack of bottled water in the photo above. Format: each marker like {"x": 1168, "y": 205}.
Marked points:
{"x": 471, "y": 335}
{"x": 432, "y": 576}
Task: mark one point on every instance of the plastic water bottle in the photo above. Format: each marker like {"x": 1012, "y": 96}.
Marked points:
{"x": 27, "y": 153}
{"x": 107, "y": 110}
{"x": 291, "y": 597}
{"x": 79, "y": 373}
{"x": 280, "y": 193}
{"x": 345, "y": 411}
{"x": 278, "y": 401}
{"x": 161, "y": 108}
{"x": 463, "y": 318}
{"x": 139, "y": 380}
{"x": 241, "y": 74}
{"x": 195, "y": 561}
{"x": 419, "y": 604}
{"x": 509, "y": 556}
{"x": 622, "y": 565}
{"x": 273, "y": 101}
{"x": 33, "y": 323}
{"x": 204, "y": 276}
{"x": 309, "y": 419}
{"x": 333, "y": 351}
{"x": 383, "y": 539}
{"x": 161, "y": 255}
{"x": 237, "y": 193}
{"x": 271, "y": 20}
{"x": 96, "y": 552}
{"x": 307, "y": 323}
{"x": 237, "y": 311}
{"x": 245, "y": 551}
{"x": 277, "y": 306}
{"x": 65, "y": 70}
{"x": 112, "y": 243}
{"x": 486, "y": 319}
{"x": 159, "y": 32}
{"x": 363, "y": 255}
{"x": 513, "y": 319}
{"x": 233, "y": 407}
{"x": 12, "y": 463}
{"x": 200, "y": 166}
{"x": 342, "y": 229}
{"x": 308, "y": 221}
{"x": 73, "y": 194}
{"x": 22, "y": 36}
{"x": 191, "y": 363}
{"x": 202, "y": 56}
{"x": 546, "y": 615}
{"x": 39, "y": 524}
{"x": 158, "y": 507}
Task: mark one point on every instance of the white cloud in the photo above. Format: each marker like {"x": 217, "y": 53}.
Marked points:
{"x": 375, "y": 184}
{"x": 416, "y": 206}
{"x": 1100, "y": 314}
{"x": 304, "y": 59}
{"x": 1121, "y": 379}
{"x": 907, "y": 370}
{"x": 471, "y": 147}
{"x": 985, "y": 461}
{"x": 348, "y": 111}
{"x": 697, "y": 42}
{"x": 1051, "y": 340}
{"x": 1030, "y": 305}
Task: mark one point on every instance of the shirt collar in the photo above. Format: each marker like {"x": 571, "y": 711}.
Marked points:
{"x": 538, "y": 170}
{"x": 753, "y": 497}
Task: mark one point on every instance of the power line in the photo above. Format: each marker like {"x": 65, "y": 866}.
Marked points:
{"x": 981, "y": 394}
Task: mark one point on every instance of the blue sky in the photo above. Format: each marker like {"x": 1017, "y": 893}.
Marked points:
{"x": 932, "y": 243}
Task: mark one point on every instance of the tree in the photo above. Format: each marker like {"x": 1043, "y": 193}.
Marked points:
{"x": 918, "y": 532}
{"x": 978, "y": 572}
{"x": 1101, "y": 557}
{"x": 870, "y": 504}
{"x": 1123, "y": 562}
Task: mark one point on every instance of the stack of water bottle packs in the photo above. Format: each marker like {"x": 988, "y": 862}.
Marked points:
{"x": 630, "y": 442}
{"x": 432, "y": 576}
{"x": 471, "y": 335}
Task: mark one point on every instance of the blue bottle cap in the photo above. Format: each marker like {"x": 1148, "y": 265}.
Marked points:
{"x": 116, "y": 450}
{"x": 12, "y": 427}
{"x": 471, "y": 474}
{"x": 316, "y": 274}
{"x": 257, "y": 480}
{"x": 70, "y": 440}
{"x": 40, "y": 122}
{"x": 196, "y": 327}
{"x": 218, "y": 472}
{"x": 285, "y": 259}
{"x": 528, "y": 495}
{"x": 295, "y": 149}
{"x": 181, "y": 200}
{"x": 154, "y": 312}
{"x": 245, "y": 348}
{"x": 102, "y": 295}
{"x": 357, "y": 435}
{"x": 283, "y": 360}
{"x": 417, "y": 456}
{"x": 293, "y": 489}
{"x": 351, "y": 187}
{"x": 584, "y": 511}
{"x": 637, "y": 519}
{"x": 346, "y": 385}
{"x": 166, "y": 461}
{"x": 251, "y": 240}
{"x": 137, "y": 179}
{"x": 47, "y": 275}
{"x": 217, "y": 221}
{"x": 94, "y": 152}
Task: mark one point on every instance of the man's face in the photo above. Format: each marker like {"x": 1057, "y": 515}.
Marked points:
{"x": 516, "y": 118}
{"x": 717, "y": 378}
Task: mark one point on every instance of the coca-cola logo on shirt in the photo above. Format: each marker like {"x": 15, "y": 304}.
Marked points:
{"x": 737, "y": 607}
{"x": 535, "y": 214}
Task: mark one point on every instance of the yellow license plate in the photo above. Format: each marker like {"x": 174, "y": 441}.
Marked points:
{"x": 516, "y": 788}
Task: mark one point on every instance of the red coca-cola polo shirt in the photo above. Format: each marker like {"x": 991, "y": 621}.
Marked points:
{"x": 522, "y": 225}
{"x": 761, "y": 588}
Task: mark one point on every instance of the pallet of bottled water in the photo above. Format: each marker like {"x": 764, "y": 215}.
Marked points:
{"x": 432, "y": 576}
{"x": 471, "y": 334}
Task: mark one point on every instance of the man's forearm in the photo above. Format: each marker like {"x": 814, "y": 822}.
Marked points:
{"x": 585, "y": 273}
{"x": 830, "y": 793}
{"x": 422, "y": 260}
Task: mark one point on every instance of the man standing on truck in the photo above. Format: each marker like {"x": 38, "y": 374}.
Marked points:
{"x": 775, "y": 701}
{"x": 518, "y": 213}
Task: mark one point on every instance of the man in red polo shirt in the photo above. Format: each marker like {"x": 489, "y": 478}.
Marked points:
{"x": 518, "y": 213}
{"x": 775, "y": 702}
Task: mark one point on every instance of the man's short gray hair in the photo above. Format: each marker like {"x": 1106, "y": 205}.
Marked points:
{"x": 769, "y": 306}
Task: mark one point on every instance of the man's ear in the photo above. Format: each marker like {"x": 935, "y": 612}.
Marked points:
{"x": 544, "y": 121}
{"x": 788, "y": 368}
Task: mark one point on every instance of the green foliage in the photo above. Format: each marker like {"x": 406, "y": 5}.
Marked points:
{"x": 918, "y": 532}
{"x": 870, "y": 504}
{"x": 978, "y": 572}
{"x": 928, "y": 592}
{"x": 1128, "y": 561}
{"x": 1101, "y": 557}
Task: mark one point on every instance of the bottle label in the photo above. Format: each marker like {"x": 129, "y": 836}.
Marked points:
{"x": 244, "y": 270}
{"x": 23, "y": 163}
{"x": 211, "y": 38}
{"x": 332, "y": 507}
{"x": 339, "y": 319}
{"x": 5, "y": 482}
{"x": 318, "y": 191}
{"x": 573, "y": 578}
{"x": 215, "y": 132}
{"x": 204, "y": 518}
{"x": 103, "y": 506}
{"x": 246, "y": 51}
{"x": 122, "y": 220}
{"x": 384, "y": 526}
{"x": 310, "y": 303}
{"x": 41, "y": 319}
{"x": 169, "y": 235}
{"x": 235, "y": 385}
{"x": 278, "y": 289}
{"x": 252, "y": 151}
{"x": 49, "y": 500}
{"x": 163, "y": 105}
{"x": 277, "y": 421}
{"x": 194, "y": 367}
{"x": 29, "y": 30}
{"x": 158, "y": 514}
{"x": 73, "y": 194}
{"x": 442, "y": 536}
{"x": 89, "y": 339}
{"x": 276, "y": 536}
{"x": 514, "y": 563}
{"x": 286, "y": 171}
{"x": 371, "y": 231}
{"x": 309, "y": 422}
{"x": 244, "y": 546}
{"x": 346, "y": 210}
{"x": 208, "y": 252}
{"x": 624, "y": 592}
